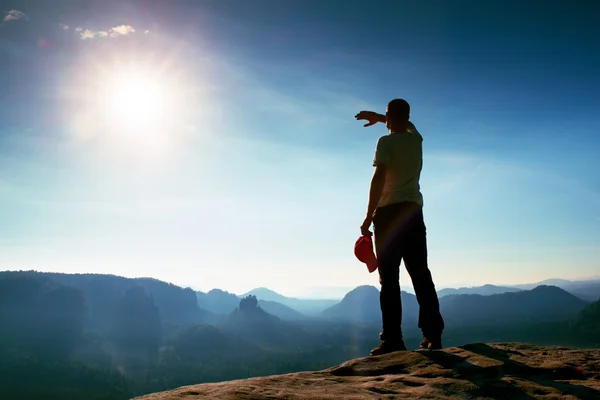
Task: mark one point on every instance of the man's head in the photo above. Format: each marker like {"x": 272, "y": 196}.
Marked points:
{"x": 397, "y": 114}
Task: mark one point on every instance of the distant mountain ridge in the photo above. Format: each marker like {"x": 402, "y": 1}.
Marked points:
{"x": 309, "y": 307}
{"x": 359, "y": 305}
{"x": 142, "y": 335}
{"x": 541, "y": 304}
{"x": 177, "y": 305}
{"x": 288, "y": 307}
{"x": 484, "y": 290}
{"x": 266, "y": 294}
{"x": 184, "y": 305}
{"x": 585, "y": 289}
{"x": 220, "y": 302}
{"x": 281, "y": 310}
{"x": 588, "y": 289}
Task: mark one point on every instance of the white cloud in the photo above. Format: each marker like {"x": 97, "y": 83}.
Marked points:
{"x": 14, "y": 15}
{"x": 64, "y": 27}
{"x": 85, "y": 33}
{"x": 121, "y": 30}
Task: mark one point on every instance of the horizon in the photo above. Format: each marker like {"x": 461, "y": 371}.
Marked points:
{"x": 341, "y": 291}
{"x": 408, "y": 288}
{"x": 215, "y": 145}
{"x": 318, "y": 292}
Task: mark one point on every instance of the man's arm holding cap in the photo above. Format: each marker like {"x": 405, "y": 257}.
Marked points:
{"x": 380, "y": 163}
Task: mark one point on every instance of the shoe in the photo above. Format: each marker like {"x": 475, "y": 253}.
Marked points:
{"x": 433, "y": 344}
{"x": 388, "y": 347}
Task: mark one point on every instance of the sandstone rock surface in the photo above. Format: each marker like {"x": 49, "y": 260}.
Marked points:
{"x": 475, "y": 371}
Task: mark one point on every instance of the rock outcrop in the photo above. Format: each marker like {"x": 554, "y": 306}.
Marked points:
{"x": 476, "y": 371}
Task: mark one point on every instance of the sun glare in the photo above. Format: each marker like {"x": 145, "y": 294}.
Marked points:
{"x": 139, "y": 108}
{"x": 136, "y": 101}
{"x": 136, "y": 109}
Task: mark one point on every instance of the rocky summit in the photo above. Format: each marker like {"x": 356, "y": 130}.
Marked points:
{"x": 474, "y": 371}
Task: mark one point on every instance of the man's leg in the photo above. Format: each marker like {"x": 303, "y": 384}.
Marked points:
{"x": 389, "y": 299}
{"x": 389, "y": 255}
{"x": 431, "y": 322}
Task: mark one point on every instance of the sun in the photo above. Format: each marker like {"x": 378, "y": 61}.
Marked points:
{"x": 133, "y": 109}
{"x": 135, "y": 101}
{"x": 138, "y": 107}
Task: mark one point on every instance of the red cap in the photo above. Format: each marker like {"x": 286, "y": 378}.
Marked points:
{"x": 363, "y": 250}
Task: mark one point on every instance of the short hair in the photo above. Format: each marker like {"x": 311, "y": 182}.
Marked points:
{"x": 398, "y": 109}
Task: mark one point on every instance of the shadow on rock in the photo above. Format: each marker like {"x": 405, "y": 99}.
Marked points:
{"x": 542, "y": 376}
{"x": 487, "y": 379}
{"x": 500, "y": 379}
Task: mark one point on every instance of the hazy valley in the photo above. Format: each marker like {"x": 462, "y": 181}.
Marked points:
{"x": 115, "y": 337}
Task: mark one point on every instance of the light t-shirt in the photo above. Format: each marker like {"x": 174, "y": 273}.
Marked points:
{"x": 402, "y": 153}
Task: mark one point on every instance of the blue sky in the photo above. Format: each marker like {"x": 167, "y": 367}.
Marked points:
{"x": 257, "y": 174}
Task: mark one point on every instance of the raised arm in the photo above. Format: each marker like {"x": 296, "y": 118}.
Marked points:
{"x": 371, "y": 117}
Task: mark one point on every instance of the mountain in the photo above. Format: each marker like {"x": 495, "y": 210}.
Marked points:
{"x": 252, "y": 323}
{"x": 587, "y": 324}
{"x": 40, "y": 315}
{"x": 102, "y": 292}
{"x": 325, "y": 292}
{"x": 588, "y": 289}
{"x": 111, "y": 335}
{"x": 479, "y": 370}
{"x": 553, "y": 282}
{"x": 543, "y": 303}
{"x": 361, "y": 306}
{"x": 484, "y": 290}
{"x": 218, "y": 301}
{"x": 308, "y": 307}
{"x": 221, "y": 302}
{"x": 281, "y": 311}
{"x": 263, "y": 293}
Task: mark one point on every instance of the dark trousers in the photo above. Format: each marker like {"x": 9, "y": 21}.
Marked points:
{"x": 400, "y": 234}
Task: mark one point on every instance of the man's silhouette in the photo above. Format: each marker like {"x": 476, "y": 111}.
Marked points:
{"x": 395, "y": 209}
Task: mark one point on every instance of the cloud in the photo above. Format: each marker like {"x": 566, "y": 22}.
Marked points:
{"x": 85, "y": 34}
{"x": 121, "y": 30}
{"x": 14, "y": 15}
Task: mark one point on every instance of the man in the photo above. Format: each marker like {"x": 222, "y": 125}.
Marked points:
{"x": 395, "y": 208}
